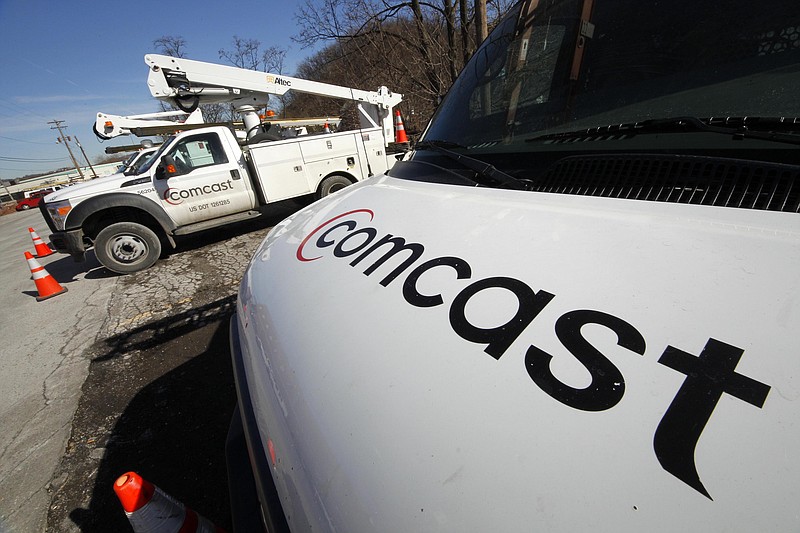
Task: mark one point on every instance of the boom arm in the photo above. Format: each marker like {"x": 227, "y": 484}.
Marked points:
{"x": 110, "y": 126}
{"x": 188, "y": 83}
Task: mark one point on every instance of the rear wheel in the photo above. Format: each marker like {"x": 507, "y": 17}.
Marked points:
{"x": 127, "y": 247}
{"x": 332, "y": 184}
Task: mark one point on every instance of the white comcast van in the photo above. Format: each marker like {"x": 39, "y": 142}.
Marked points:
{"x": 574, "y": 307}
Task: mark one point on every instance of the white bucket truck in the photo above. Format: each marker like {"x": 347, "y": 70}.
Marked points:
{"x": 203, "y": 178}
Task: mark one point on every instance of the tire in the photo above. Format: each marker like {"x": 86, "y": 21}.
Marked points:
{"x": 127, "y": 247}
{"x": 332, "y": 184}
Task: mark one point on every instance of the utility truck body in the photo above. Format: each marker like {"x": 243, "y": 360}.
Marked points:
{"x": 206, "y": 177}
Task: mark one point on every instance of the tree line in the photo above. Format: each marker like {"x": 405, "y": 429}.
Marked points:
{"x": 415, "y": 47}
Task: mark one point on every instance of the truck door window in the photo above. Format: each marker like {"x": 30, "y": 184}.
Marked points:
{"x": 198, "y": 151}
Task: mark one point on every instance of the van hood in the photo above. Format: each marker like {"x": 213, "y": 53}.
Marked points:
{"x": 425, "y": 357}
{"x": 92, "y": 187}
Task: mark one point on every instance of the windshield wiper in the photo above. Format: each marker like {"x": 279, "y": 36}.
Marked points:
{"x": 482, "y": 168}
{"x": 765, "y": 128}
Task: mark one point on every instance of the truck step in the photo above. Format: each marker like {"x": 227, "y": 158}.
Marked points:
{"x": 221, "y": 221}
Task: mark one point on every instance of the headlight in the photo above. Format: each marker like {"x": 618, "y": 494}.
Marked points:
{"x": 58, "y": 212}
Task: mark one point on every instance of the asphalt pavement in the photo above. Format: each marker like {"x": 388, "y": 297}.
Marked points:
{"x": 43, "y": 366}
{"x": 119, "y": 373}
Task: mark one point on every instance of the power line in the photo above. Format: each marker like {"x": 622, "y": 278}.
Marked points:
{"x": 18, "y": 108}
{"x": 23, "y": 141}
{"x": 10, "y": 159}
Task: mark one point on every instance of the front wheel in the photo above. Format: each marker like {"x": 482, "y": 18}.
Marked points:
{"x": 127, "y": 247}
{"x": 332, "y": 184}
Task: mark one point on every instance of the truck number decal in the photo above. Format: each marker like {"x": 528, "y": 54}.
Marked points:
{"x": 708, "y": 376}
{"x": 200, "y": 207}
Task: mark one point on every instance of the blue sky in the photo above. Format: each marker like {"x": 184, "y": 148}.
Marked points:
{"x": 68, "y": 60}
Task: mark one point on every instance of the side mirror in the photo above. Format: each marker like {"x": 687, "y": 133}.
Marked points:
{"x": 166, "y": 168}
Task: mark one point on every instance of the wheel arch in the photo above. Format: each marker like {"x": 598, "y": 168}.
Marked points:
{"x": 343, "y": 173}
{"x": 93, "y": 214}
{"x": 336, "y": 173}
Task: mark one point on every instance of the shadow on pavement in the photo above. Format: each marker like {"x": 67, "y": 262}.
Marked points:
{"x": 65, "y": 270}
{"x": 166, "y": 420}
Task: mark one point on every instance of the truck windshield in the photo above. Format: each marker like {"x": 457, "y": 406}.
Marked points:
{"x": 567, "y": 66}
{"x": 156, "y": 156}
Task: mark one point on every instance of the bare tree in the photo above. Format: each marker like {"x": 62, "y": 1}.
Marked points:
{"x": 170, "y": 45}
{"x": 382, "y": 28}
{"x": 481, "y": 22}
{"x": 214, "y": 113}
{"x": 247, "y": 53}
{"x": 273, "y": 59}
{"x": 426, "y": 31}
{"x": 464, "y": 18}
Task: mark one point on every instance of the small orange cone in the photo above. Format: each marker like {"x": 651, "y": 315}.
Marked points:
{"x": 149, "y": 509}
{"x": 399, "y": 129}
{"x": 42, "y": 250}
{"x": 327, "y": 128}
{"x": 45, "y": 283}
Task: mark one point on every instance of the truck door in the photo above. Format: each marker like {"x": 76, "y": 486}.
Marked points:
{"x": 206, "y": 182}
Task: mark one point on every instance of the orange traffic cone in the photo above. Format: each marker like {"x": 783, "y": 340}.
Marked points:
{"x": 42, "y": 250}
{"x": 45, "y": 283}
{"x": 149, "y": 509}
{"x": 327, "y": 128}
{"x": 399, "y": 129}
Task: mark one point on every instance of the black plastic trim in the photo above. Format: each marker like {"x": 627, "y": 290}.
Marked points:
{"x": 70, "y": 242}
{"x": 245, "y": 509}
{"x": 273, "y": 515}
{"x": 135, "y": 181}
{"x": 90, "y": 206}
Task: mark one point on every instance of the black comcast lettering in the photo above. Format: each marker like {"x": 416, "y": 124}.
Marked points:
{"x": 608, "y": 385}
{"x": 499, "y": 338}
{"x": 707, "y": 378}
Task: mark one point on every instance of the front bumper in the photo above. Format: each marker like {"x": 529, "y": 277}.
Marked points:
{"x": 255, "y": 504}
{"x": 69, "y": 242}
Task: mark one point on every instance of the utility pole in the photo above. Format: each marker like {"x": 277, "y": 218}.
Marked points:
{"x": 84, "y": 156}
{"x": 64, "y": 139}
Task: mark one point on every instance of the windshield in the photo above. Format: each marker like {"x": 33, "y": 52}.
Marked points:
{"x": 135, "y": 166}
{"x": 127, "y": 163}
{"x": 568, "y": 65}
{"x": 154, "y": 157}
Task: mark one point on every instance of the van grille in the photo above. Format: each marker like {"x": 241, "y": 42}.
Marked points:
{"x": 678, "y": 179}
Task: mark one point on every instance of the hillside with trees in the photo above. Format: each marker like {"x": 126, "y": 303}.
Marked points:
{"x": 414, "y": 48}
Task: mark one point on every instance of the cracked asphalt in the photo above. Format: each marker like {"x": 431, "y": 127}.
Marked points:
{"x": 119, "y": 373}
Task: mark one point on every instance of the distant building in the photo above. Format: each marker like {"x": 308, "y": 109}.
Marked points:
{"x": 18, "y": 186}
